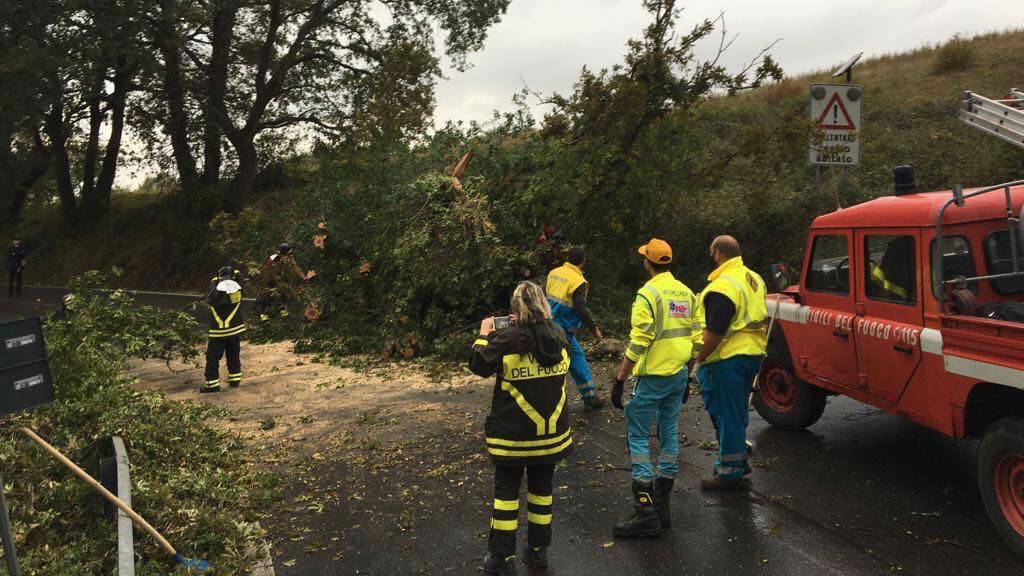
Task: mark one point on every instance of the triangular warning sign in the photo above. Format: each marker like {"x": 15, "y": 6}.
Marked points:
{"x": 835, "y": 116}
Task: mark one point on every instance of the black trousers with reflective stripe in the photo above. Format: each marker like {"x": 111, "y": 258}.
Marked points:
{"x": 218, "y": 347}
{"x": 539, "y": 482}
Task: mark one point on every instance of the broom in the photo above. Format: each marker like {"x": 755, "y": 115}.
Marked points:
{"x": 178, "y": 558}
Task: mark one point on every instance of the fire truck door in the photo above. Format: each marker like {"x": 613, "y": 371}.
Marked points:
{"x": 828, "y": 351}
{"x": 888, "y": 329}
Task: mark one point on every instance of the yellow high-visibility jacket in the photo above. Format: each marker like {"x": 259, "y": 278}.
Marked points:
{"x": 661, "y": 340}
{"x": 746, "y": 289}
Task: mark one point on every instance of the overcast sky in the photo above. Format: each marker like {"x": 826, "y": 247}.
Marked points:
{"x": 546, "y": 42}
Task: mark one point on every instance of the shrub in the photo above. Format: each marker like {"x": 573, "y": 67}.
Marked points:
{"x": 188, "y": 478}
{"x": 956, "y": 55}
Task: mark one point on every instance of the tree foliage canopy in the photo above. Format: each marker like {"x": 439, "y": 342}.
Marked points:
{"x": 214, "y": 89}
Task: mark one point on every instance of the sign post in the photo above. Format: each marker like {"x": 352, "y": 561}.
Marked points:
{"x": 25, "y": 383}
{"x": 835, "y": 111}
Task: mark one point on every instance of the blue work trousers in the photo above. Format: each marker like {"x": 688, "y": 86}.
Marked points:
{"x": 579, "y": 369}
{"x": 655, "y": 397}
{"x": 725, "y": 386}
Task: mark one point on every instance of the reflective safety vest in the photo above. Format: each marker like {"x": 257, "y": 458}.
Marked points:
{"x": 879, "y": 279}
{"x": 661, "y": 341}
{"x": 561, "y": 285}
{"x": 746, "y": 289}
{"x": 225, "y": 309}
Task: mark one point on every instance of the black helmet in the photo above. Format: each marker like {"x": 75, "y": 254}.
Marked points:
{"x": 226, "y": 273}
{"x": 284, "y": 248}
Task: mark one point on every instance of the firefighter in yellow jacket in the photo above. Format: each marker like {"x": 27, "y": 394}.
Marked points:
{"x": 661, "y": 344}
{"x": 734, "y": 313}
{"x": 528, "y": 426}
{"x": 225, "y": 332}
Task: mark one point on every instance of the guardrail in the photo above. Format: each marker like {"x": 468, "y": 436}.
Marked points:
{"x": 125, "y": 536}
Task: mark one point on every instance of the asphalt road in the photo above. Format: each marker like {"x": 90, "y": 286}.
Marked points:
{"x": 38, "y": 300}
{"x": 860, "y": 493}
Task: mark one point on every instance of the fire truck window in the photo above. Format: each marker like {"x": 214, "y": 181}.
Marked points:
{"x": 830, "y": 265}
{"x": 999, "y": 256}
{"x": 957, "y": 261}
{"x": 890, "y": 269}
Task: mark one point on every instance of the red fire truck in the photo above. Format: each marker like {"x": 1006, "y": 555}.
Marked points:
{"x": 914, "y": 303}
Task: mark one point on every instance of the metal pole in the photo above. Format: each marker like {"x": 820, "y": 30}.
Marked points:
{"x": 845, "y": 188}
{"x": 817, "y": 180}
{"x": 1009, "y": 222}
{"x": 8, "y": 534}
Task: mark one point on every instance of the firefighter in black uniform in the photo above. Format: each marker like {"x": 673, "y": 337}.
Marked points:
{"x": 528, "y": 426}
{"x": 225, "y": 332}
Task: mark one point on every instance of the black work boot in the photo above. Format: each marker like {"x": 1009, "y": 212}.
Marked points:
{"x": 498, "y": 566}
{"x": 536, "y": 557}
{"x": 663, "y": 499}
{"x": 644, "y": 523}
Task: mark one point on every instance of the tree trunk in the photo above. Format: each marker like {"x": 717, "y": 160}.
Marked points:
{"x": 222, "y": 34}
{"x": 57, "y": 132}
{"x": 168, "y": 41}
{"x": 39, "y": 168}
{"x": 92, "y": 146}
{"x": 118, "y": 100}
{"x": 245, "y": 177}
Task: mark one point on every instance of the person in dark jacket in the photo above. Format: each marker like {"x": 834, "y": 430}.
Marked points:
{"x": 225, "y": 332}
{"x": 528, "y": 426}
{"x": 17, "y": 257}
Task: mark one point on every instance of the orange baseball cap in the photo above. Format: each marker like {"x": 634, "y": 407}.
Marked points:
{"x": 657, "y": 251}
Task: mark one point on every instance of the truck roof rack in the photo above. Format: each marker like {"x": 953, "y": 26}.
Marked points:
{"x": 1003, "y": 118}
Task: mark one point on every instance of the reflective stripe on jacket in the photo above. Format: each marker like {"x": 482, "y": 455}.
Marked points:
{"x": 880, "y": 280}
{"x": 561, "y": 285}
{"x": 746, "y": 289}
{"x": 662, "y": 338}
{"x": 225, "y": 305}
{"x": 528, "y": 422}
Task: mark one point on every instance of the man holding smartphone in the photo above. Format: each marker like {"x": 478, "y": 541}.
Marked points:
{"x": 567, "y": 291}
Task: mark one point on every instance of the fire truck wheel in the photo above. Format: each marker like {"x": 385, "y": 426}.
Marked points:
{"x": 1001, "y": 479}
{"x": 786, "y": 401}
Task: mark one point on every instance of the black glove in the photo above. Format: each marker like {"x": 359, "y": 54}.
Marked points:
{"x": 617, "y": 390}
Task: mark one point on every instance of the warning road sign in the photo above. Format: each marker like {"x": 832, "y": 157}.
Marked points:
{"x": 835, "y": 109}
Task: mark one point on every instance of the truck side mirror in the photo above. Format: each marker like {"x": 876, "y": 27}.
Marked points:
{"x": 780, "y": 277}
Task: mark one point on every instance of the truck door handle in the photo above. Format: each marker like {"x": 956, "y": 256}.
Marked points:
{"x": 903, "y": 348}
{"x": 841, "y": 334}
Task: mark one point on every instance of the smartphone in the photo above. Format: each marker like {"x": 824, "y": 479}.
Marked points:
{"x": 502, "y": 322}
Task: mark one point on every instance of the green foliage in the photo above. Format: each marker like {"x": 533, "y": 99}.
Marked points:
{"x": 188, "y": 478}
{"x": 957, "y": 55}
{"x": 656, "y": 146}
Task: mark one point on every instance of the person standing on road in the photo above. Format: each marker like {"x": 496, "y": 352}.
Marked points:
{"x": 661, "y": 344}
{"x": 225, "y": 332}
{"x": 734, "y": 312}
{"x": 16, "y": 260}
{"x": 567, "y": 292}
{"x": 528, "y": 426}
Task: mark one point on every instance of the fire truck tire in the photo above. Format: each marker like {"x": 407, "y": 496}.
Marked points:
{"x": 1001, "y": 479}
{"x": 787, "y": 402}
